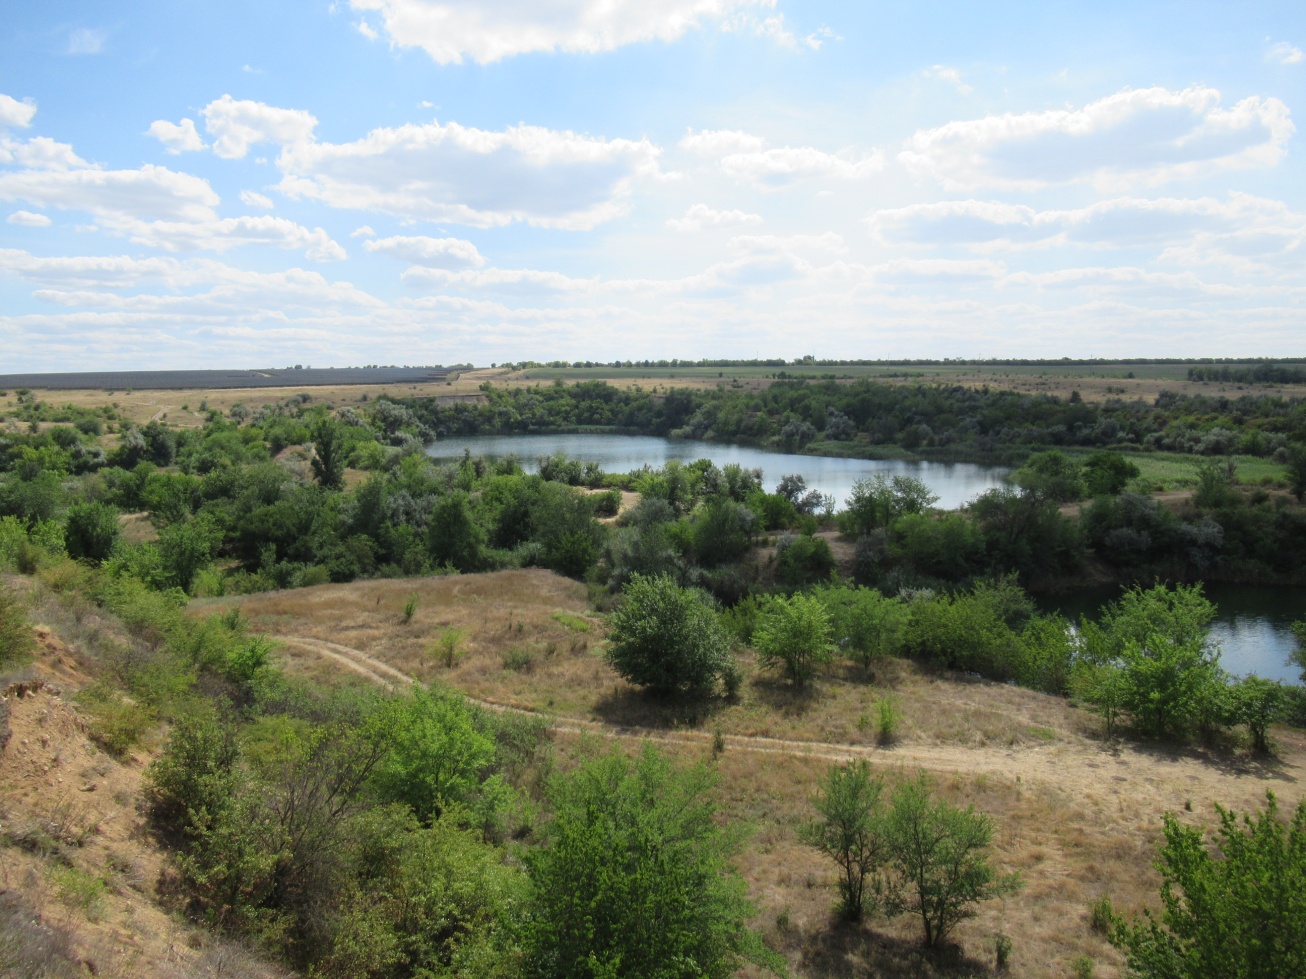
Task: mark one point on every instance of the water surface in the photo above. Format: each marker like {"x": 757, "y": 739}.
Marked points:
{"x": 955, "y": 483}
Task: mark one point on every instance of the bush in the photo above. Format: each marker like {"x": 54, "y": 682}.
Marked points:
{"x": 1258, "y": 703}
{"x": 1237, "y": 908}
{"x": 15, "y": 634}
{"x": 664, "y": 637}
{"x": 636, "y": 879}
{"x": 91, "y": 531}
{"x": 117, "y": 723}
{"x": 794, "y": 633}
{"x": 864, "y": 624}
{"x": 940, "y": 854}
{"x": 851, "y": 833}
{"x": 607, "y": 503}
{"x": 803, "y": 559}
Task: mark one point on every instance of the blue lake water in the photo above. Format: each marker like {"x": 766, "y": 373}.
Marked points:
{"x": 955, "y": 483}
{"x": 1253, "y": 627}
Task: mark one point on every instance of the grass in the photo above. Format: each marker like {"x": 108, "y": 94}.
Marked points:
{"x": 1075, "y": 815}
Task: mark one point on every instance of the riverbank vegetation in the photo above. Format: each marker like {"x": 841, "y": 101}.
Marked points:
{"x": 284, "y": 803}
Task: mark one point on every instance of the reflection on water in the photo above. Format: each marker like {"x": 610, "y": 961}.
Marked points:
{"x": 955, "y": 483}
{"x": 1253, "y": 624}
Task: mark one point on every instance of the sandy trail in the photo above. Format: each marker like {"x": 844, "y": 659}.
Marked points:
{"x": 1095, "y": 772}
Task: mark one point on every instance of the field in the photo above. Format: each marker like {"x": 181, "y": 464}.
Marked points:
{"x": 1078, "y": 816}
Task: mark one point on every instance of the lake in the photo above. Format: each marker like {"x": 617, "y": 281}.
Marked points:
{"x": 1254, "y": 623}
{"x": 955, "y": 483}
{"x": 1253, "y": 626}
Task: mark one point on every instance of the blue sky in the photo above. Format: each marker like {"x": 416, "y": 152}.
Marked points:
{"x": 193, "y": 184}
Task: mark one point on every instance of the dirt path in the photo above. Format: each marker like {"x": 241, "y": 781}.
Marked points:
{"x": 1087, "y": 769}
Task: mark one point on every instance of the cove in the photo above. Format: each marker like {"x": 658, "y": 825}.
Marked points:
{"x": 955, "y": 483}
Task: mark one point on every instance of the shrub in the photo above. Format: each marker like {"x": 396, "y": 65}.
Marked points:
{"x": 607, "y": 503}
{"x": 91, "y": 531}
{"x": 664, "y": 637}
{"x": 888, "y": 719}
{"x": 15, "y": 634}
{"x": 940, "y": 854}
{"x": 803, "y": 559}
{"x": 636, "y": 878}
{"x": 1236, "y": 908}
{"x": 1101, "y": 916}
{"x": 864, "y": 623}
{"x": 117, "y": 723}
{"x": 794, "y": 633}
{"x": 1258, "y": 703}
{"x": 851, "y": 833}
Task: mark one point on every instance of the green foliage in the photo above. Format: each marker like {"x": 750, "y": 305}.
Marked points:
{"x": 410, "y": 607}
{"x": 453, "y": 535}
{"x": 607, "y": 503}
{"x": 193, "y": 781}
{"x": 447, "y": 647}
{"x": 864, "y": 624}
{"x": 803, "y": 559}
{"x": 1170, "y": 685}
{"x": 665, "y": 638}
{"x": 91, "y": 531}
{"x": 1052, "y": 476}
{"x": 888, "y": 719}
{"x": 440, "y": 756}
{"x": 117, "y": 723}
{"x": 1236, "y": 908}
{"x": 1001, "y": 951}
{"x": 721, "y": 531}
{"x": 877, "y": 501}
{"x": 1108, "y": 473}
{"x": 1297, "y": 471}
{"x": 329, "y": 453}
{"x": 851, "y": 833}
{"x": 1101, "y": 916}
{"x": 794, "y": 633}
{"x": 635, "y": 879}
{"x": 940, "y": 854}
{"x": 1258, "y": 703}
{"x": 1102, "y": 686}
{"x": 15, "y": 634}
{"x": 185, "y": 549}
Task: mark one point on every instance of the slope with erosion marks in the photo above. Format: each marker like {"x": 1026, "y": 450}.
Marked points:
{"x": 82, "y": 880}
{"x": 1077, "y": 816}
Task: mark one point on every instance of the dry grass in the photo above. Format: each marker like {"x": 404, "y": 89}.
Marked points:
{"x": 1079, "y": 817}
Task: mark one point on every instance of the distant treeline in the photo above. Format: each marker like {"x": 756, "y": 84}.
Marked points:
{"x": 1262, "y": 373}
{"x": 930, "y": 420}
{"x": 810, "y": 361}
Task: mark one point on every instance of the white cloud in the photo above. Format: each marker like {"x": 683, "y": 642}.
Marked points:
{"x": 747, "y": 159}
{"x": 441, "y": 253}
{"x": 161, "y": 208}
{"x": 1240, "y": 221}
{"x": 367, "y": 30}
{"x": 15, "y": 113}
{"x": 1285, "y": 54}
{"x": 176, "y": 137}
{"x": 236, "y": 125}
{"x": 86, "y": 40}
{"x": 363, "y": 231}
{"x": 1142, "y": 136}
{"x": 950, "y": 75}
{"x": 252, "y": 198}
{"x": 451, "y": 30}
{"x": 28, "y": 219}
{"x": 472, "y": 176}
{"x": 40, "y": 153}
{"x": 700, "y": 216}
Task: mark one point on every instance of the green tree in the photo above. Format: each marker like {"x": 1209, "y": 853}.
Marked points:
{"x": 851, "y": 833}
{"x": 1108, "y": 473}
{"x": 186, "y": 548}
{"x": 329, "y": 452}
{"x": 864, "y": 623}
{"x": 1298, "y": 655}
{"x": 1102, "y": 687}
{"x": 794, "y": 633}
{"x": 635, "y": 879}
{"x": 877, "y": 501}
{"x": 1169, "y": 685}
{"x": 1052, "y": 476}
{"x": 666, "y": 638}
{"x": 453, "y": 536}
{"x": 91, "y": 531}
{"x": 1258, "y": 703}
{"x": 1297, "y": 471}
{"x": 1234, "y": 909}
{"x": 940, "y": 854}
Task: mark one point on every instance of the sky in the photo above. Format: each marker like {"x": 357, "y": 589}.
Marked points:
{"x": 192, "y": 184}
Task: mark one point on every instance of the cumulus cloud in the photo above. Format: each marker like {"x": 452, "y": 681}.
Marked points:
{"x": 252, "y": 198}
{"x": 441, "y": 253}
{"x": 452, "y": 30}
{"x": 1285, "y": 54}
{"x": 39, "y": 152}
{"x": 1142, "y": 136}
{"x": 237, "y": 124}
{"x": 86, "y": 40}
{"x": 160, "y": 208}
{"x": 15, "y": 113}
{"x": 700, "y": 216}
{"x": 177, "y": 137}
{"x": 472, "y": 176}
{"x": 950, "y": 75}
{"x": 28, "y": 219}
{"x": 1123, "y": 222}
{"x": 747, "y": 158}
